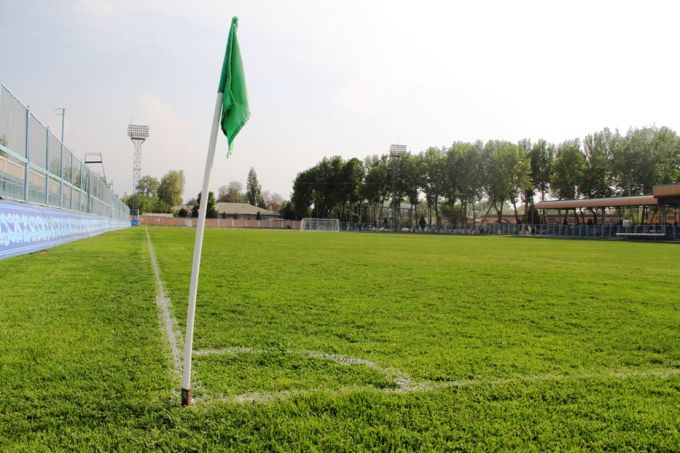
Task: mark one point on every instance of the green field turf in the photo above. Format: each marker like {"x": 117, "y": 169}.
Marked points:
{"x": 341, "y": 341}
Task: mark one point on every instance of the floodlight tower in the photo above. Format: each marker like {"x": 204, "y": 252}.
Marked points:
{"x": 396, "y": 153}
{"x": 138, "y": 134}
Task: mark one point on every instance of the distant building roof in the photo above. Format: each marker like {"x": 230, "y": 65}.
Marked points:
{"x": 242, "y": 209}
{"x": 646, "y": 200}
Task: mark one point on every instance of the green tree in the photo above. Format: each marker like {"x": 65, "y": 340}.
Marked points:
{"x": 667, "y": 145}
{"x": 211, "y": 212}
{"x": 254, "y": 190}
{"x": 506, "y": 174}
{"x": 568, "y": 170}
{"x": 232, "y": 193}
{"x": 434, "y": 178}
{"x": 145, "y": 204}
{"x": 411, "y": 181}
{"x": 287, "y": 211}
{"x": 638, "y": 162}
{"x": 352, "y": 179}
{"x": 171, "y": 188}
{"x": 147, "y": 186}
{"x": 542, "y": 157}
{"x": 376, "y": 187}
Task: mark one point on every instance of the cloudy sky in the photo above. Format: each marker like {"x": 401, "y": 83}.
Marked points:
{"x": 336, "y": 77}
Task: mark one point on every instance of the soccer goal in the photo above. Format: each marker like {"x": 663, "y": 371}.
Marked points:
{"x": 309, "y": 224}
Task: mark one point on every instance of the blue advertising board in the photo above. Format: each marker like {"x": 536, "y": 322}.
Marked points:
{"x": 26, "y": 228}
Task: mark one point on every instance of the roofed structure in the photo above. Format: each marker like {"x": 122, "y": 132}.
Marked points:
{"x": 614, "y": 202}
{"x": 244, "y": 211}
{"x": 663, "y": 197}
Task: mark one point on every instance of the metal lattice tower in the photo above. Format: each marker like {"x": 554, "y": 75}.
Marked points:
{"x": 396, "y": 153}
{"x": 138, "y": 134}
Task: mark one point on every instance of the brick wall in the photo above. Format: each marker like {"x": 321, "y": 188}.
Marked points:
{"x": 221, "y": 223}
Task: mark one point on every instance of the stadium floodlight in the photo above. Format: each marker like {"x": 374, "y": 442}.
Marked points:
{"x": 397, "y": 150}
{"x": 310, "y": 224}
{"x": 396, "y": 153}
{"x": 138, "y": 134}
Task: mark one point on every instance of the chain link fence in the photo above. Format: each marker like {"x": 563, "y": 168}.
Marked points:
{"x": 36, "y": 167}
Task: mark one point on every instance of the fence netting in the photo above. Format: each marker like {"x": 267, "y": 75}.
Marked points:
{"x": 36, "y": 167}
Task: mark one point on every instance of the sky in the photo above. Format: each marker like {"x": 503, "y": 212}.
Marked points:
{"x": 327, "y": 78}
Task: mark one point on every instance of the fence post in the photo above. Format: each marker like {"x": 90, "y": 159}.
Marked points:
{"x": 47, "y": 165}
{"x": 28, "y": 159}
{"x": 61, "y": 174}
{"x": 80, "y": 199}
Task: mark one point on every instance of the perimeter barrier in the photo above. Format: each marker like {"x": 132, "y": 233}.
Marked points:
{"x": 39, "y": 172}
{"x": 573, "y": 231}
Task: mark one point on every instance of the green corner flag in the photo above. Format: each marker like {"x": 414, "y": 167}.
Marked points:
{"x": 235, "y": 110}
{"x": 231, "y": 112}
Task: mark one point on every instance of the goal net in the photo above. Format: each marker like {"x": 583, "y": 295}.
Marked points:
{"x": 309, "y": 224}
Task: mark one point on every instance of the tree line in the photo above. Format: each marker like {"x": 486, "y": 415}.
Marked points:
{"x": 161, "y": 196}
{"x": 152, "y": 195}
{"x": 448, "y": 181}
{"x": 253, "y": 195}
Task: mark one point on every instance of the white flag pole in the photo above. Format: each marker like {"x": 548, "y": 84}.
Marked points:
{"x": 196, "y": 266}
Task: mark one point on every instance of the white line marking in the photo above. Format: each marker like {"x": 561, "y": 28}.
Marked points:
{"x": 168, "y": 321}
{"x": 404, "y": 382}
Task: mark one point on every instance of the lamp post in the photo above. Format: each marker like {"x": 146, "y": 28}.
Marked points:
{"x": 138, "y": 134}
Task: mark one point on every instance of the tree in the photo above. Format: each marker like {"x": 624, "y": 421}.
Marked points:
{"x": 145, "y": 204}
{"x": 171, "y": 188}
{"x": 147, "y": 186}
{"x": 272, "y": 201}
{"x": 254, "y": 190}
{"x": 303, "y": 197}
{"x": 506, "y": 174}
{"x": 464, "y": 176}
{"x": 542, "y": 157}
{"x": 375, "y": 189}
{"x": 568, "y": 170}
{"x": 287, "y": 211}
{"x": 667, "y": 145}
{"x": 410, "y": 180}
{"x": 434, "y": 178}
{"x": 352, "y": 179}
{"x": 211, "y": 212}
{"x": 231, "y": 193}
{"x": 597, "y": 177}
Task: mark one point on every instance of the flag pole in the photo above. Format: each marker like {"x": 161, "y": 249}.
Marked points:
{"x": 196, "y": 265}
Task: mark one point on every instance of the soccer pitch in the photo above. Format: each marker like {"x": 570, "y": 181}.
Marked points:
{"x": 342, "y": 341}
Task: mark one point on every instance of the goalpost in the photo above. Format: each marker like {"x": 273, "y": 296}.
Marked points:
{"x": 310, "y": 224}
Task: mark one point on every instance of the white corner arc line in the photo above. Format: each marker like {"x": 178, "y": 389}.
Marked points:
{"x": 404, "y": 382}
{"x": 167, "y": 320}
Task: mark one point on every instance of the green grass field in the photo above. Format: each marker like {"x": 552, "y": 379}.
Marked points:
{"x": 341, "y": 341}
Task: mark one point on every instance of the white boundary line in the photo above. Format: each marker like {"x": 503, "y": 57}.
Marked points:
{"x": 167, "y": 320}
{"x": 404, "y": 383}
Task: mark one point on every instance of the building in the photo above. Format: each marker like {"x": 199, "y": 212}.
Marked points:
{"x": 244, "y": 211}
{"x": 660, "y": 207}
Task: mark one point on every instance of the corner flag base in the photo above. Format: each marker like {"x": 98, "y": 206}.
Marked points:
{"x": 186, "y": 397}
